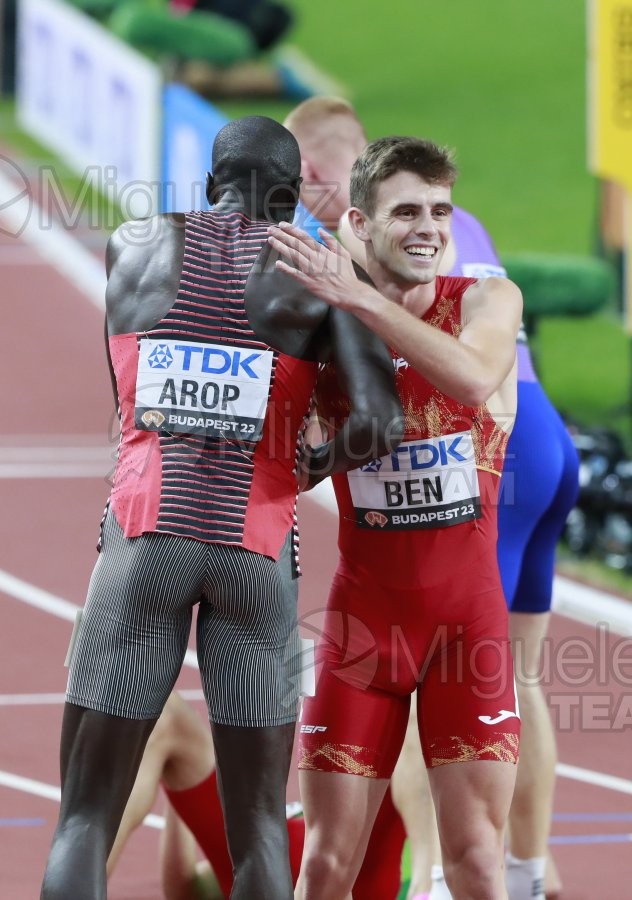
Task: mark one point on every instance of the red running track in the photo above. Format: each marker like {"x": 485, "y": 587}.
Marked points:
{"x": 56, "y": 451}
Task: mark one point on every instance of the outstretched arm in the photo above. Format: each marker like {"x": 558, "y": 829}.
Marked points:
{"x": 469, "y": 368}
{"x": 375, "y": 425}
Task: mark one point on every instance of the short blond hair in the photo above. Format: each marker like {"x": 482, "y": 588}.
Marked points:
{"x": 308, "y": 118}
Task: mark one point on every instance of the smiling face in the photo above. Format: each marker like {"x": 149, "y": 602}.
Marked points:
{"x": 408, "y": 229}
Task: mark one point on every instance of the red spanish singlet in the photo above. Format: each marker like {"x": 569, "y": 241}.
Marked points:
{"x": 416, "y": 603}
{"x": 430, "y": 506}
{"x": 210, "y": 414}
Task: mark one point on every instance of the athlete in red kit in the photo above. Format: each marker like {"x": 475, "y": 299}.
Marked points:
{"x": 417, "y": 603}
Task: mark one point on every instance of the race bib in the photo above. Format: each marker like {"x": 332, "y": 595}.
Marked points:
{"x": 212, "y": 389}
{"x": 483, "y": 270}
{"x": 429, "y": 483}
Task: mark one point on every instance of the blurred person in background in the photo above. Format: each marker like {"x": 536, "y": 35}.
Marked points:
{"x": 539, "y": 488}
{"x": 179, "y": 757}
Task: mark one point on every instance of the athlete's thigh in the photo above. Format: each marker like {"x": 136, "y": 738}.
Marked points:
{"x": 340, "y": 810}
{"x": 357, "y": 719}
{"x": 248, "y": 643}
{"x": 135, "y": 625}
{"x": 467, "y": 796}
{"x": 466, "y": 703}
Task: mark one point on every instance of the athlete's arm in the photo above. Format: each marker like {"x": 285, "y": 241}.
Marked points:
{"x": 469, "y": 368}
{"x": 143, "y": 264}
{"x": 375, "y": 425}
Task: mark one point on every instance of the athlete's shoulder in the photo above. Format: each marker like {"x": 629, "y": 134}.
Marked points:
{"x": 452, "y": 285}
{"x": 140, "y": 236}
{"x": 494, "y": 295}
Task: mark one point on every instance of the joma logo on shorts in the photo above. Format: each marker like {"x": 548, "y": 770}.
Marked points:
{"x": 312, "y": 729}
{"x": 495, "y": 720}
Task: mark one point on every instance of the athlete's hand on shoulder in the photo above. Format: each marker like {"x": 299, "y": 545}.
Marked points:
{"x": 326, "y": 270}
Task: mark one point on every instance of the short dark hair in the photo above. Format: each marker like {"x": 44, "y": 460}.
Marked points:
{"x": 255, "y": 144}
{"x": 389, "y": 155}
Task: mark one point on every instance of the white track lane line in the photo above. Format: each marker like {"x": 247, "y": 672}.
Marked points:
{"x": 54, "y": 461}
{"x": 598, "y": 779}
{"x": 51, "y": 792}
{"x": 22, "y": 216}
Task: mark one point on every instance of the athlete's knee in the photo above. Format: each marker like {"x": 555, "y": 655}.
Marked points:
{"x": 477, "y": 870}
{"x": 328, "y": 868}
{"x": 263, "y": 861}
{"x": 326, "y": 871}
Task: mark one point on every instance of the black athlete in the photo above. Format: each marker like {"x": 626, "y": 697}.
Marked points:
{"x": 213, "y": 355}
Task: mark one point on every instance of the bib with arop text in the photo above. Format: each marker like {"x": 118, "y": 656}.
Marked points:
{"x": 427, "y": 483}
{"x": 217, "y": 390}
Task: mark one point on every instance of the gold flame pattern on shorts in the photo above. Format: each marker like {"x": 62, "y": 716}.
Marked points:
{"x": 344, "y": 758}
{"x": 503, "y": 749}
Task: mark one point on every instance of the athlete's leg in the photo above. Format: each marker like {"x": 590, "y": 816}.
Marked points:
{"x": 470, "y": 730}
{"x": 350, "y": 739}
{"x": 183, "y": 875}
{"x": 179, "y": 753}
{"x": 249, "y": 655}
{"x": 140, "y": 597}
{"x": 253, "y": 766}
{"x": 532, "y": 805}
{"x": 100, "y": 755}
{"x": 381, "y": 871}
{"x": 530, "y": 815}
{"x": 413, "y": 800}
{"x": 472, "y": 802}
{"x": 340, "y": 810}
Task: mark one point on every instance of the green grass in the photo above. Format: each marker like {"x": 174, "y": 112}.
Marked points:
{"x": 593, "y": 572}
{"x": 583, "y": 365}
{"x": 502, "y": 83}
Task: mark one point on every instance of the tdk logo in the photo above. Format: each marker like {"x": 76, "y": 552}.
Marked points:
{"x": 216, "y": 361}
{"x": 374, "y": 466}
{"x": 160, "y": 357}
{"x": 426, "y": 456}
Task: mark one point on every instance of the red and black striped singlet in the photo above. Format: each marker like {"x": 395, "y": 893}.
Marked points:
{"x": 218, "y": 489}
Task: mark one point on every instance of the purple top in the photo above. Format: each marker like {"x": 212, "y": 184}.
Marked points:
{"x": 476, "y": 257}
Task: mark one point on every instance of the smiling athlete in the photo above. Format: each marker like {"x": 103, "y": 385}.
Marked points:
{"x": 417, "y": 584}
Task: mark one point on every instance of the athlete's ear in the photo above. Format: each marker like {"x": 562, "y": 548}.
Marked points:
{"x": 307, "y": 170}
{"x": 296, "y": 186}
{"x": 210, "y": 187}
{"x": 357, "y": 220}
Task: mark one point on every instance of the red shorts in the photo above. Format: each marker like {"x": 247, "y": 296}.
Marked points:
{"x": 446, "y": 641}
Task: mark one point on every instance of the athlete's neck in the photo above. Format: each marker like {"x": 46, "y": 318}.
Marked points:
{"x": 416, "y": 298}
{"x": 254, "y": 205}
